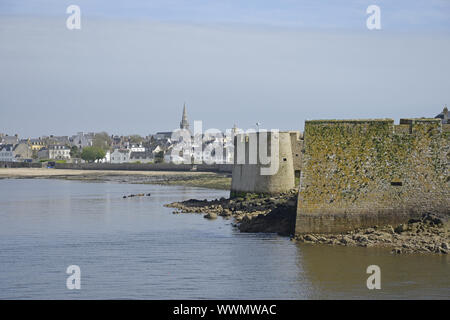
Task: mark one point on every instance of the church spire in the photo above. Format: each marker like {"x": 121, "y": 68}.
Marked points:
{"x": 184, "y": 124}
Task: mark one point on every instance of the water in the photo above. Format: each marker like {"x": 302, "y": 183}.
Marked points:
{"x": 137, "y": 249}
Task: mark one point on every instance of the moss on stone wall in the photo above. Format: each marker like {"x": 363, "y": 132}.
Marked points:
{"x": 371, "y": 167}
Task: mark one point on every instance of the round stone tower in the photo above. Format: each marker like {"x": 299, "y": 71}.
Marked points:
{"x": 251, "y": 171}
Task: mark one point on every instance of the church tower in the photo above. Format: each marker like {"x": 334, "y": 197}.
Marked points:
{"x": 184, "y": 124}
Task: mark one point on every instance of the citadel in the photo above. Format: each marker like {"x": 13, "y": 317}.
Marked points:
{"x": 347, "y": 174}
{"x": 355, "y": 173}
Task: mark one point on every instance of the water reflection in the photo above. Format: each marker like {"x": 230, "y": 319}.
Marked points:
{"x": 340, "y": 272}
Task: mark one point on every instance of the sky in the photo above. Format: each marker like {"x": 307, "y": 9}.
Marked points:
{"x": 133, "y": 64}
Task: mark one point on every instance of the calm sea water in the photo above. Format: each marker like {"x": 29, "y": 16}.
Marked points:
{"x": 137, "y": 249}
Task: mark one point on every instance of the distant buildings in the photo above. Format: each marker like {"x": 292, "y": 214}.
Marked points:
{"x": 120, "y": 156}
{"x": 22, "y": 151}
{"x": 141, "y": 156}
{"x": 163, "y": 136}
{"x": 167, "y": 135}
{"x": 127, "y": 155}
{"x": 81, "y": 140}
{"x": 128, "y": 149}
{"x": 55, "y": 152}
{"x": 444, "y": 116}
{"x": 56, "y": 140}
{"x": 117, "y": 142}
{"x": 7, "y": 153}
{"x": 10, "y": 140}
{"x": 137, "y": 148}
{"x": 13, "y": 153}
{"x": 36, "y": 144}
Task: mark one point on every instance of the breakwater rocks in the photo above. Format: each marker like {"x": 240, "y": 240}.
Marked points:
{"x": 430, "y": 234}
{"x": 251, "y": 213}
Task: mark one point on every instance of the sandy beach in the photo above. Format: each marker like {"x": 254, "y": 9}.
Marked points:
{"x": 44, "y": 172}
{"x": 191, "y": 178}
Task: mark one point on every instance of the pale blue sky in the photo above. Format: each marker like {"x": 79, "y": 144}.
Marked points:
{"x": 397, "y": 14}
{"x": 133, "y": 63}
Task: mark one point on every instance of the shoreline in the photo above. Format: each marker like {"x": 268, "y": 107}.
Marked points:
{"x": 429, "y": 234}
{"x": 210, "y": 180}
{"x": 277, "y": 214}
{"x": 259, "y": 213}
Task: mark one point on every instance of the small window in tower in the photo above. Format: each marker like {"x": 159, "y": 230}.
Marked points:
{"x": 284, "y": 159}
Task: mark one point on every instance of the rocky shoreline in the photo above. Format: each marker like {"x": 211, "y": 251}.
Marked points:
{"x": 276, "y": 214}
{"x": 252, "y": 213}
{"x": 430, "y": 234}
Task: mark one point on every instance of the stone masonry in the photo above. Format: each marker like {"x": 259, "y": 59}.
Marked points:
{"x": 360, "y": 173}
{"x": 247, "y": 177}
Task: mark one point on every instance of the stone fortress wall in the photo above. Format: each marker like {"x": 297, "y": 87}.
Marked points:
{"x": 358, "y": 173}
{"x": 247, "y": 177}
{"x": 297, "y": 149}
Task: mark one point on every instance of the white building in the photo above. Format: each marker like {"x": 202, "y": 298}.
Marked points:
{"x": 106, "y": 159}
{"x": 137, "y": 148}
{"x": 7, "y": 153}
{"x": 169, "y": 158}
{"x": 157, "y": 150}
{"x": 59, "y": 152}
{"x": 120, "y": 156}
{"x": 55, "y": 152}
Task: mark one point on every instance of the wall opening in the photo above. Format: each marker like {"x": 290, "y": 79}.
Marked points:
{"x": 396, "y": 183}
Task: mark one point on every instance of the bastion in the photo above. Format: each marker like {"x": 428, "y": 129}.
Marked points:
{"x": 361, "y": 173}
{"x": 248, "y": 177}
